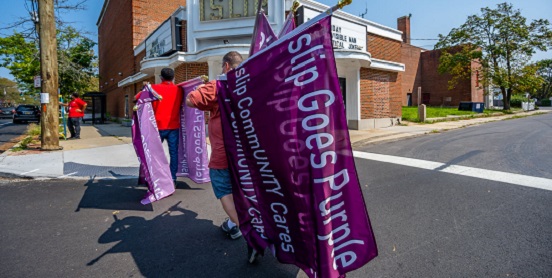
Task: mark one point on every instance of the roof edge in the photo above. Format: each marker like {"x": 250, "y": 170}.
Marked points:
{"x": 104, "y": 7}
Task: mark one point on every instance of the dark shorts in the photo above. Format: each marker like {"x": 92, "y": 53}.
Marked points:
{"x": 220, "y": 180}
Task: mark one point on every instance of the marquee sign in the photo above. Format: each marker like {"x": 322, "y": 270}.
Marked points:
{"x": 345, "y": 34}
{"x": 227, "y": 9}
{"x": 165, "y": 39}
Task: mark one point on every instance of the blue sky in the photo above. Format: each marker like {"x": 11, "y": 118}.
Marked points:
{"x": 429, "y": 17}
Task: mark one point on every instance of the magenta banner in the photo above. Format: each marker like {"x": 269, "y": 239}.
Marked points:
{"x": 289, "y": 25}
{"x": 192, "y": 147}
{"x": 263, "y": 35}
{"x": 154, "y": 167}
{"x": 295, "y": 183}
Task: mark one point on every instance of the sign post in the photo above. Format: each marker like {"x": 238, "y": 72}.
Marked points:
{"x": 419, "y": 96}
{"x": 37, "y": 81}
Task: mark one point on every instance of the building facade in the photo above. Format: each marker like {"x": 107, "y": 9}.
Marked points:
{"x": 377, "y": 66}
{"x": 423, "y": 84}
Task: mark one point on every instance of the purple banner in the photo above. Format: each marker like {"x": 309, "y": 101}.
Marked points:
{"x": 263, "y": 35}
{"x": 192, "y": 148}
{"x": 154, "y": 167}
{"x": 289, "y": 25}
{"x": 243, "y": 189}
{"x": 290, "y": 155}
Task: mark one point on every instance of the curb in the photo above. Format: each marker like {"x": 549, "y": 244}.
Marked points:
{"x": 383, "y": 139}
{"x": 11, "y": 176}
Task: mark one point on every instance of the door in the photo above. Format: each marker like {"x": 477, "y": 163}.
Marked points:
{"x": 343, "y": 88}
{"x": 425, "y": 98}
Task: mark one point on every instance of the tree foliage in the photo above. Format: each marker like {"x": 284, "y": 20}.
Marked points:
{"x": 502, "y": 42}
{"x": 77, "y": 62}
{"x": 10, "y": 95}
{"x": 22, "y": 58}
{"x": 544, "y": 70}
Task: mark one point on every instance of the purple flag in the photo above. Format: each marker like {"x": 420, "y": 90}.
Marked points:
{"x": 192, "y": 148}
{"x": 263, "y": 35}
{"x": 290, "y": 155}
{"x": 289, "y": 25}
{"x": 154, "y": 167}
{"x": 243, "y": 190}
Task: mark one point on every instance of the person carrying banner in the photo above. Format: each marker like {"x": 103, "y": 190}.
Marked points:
{"x": 76, "y": 113}
{"x": 205, "y": 99}
{"x": 167, "y": 114}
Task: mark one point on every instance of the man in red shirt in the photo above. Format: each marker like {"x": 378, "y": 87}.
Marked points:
{"x": 205, "y": 99}
{"x": 167, "y": 114}
{"x": 76, "y": 113}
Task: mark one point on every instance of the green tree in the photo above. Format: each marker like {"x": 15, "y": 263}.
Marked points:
{"x": 76, "y": 58}
{"x": 502, "y": 42}
{"x": 544, "y": 70}
{"x": 11, "y": 96}
{"x": 529, "y": 81}
{"x": 21, "y": 57}
{"x": 76, "y": 61}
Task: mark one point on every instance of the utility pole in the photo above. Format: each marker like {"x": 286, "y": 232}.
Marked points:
{"x": 49, "y": 121}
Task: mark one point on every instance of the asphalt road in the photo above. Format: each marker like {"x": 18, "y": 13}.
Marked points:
{"x": 9, "y": 132}
{"x": 430, "y": 223}
{"x": 68, "y": 228}
{"x": 427, "y": 223}
{"x": 520, "y": 146}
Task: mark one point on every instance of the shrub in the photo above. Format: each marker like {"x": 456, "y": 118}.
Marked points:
{"x": 516, "y": 100}
{"x": 33, "y": 130}
{"x": 545, "y": 102}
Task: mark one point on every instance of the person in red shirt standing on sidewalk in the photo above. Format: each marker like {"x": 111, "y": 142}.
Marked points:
{"x": 167, "y": 115}
{"x": 76, "y": 113}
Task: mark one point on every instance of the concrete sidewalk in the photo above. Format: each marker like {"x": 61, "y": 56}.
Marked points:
{"x": 106, "y": 150}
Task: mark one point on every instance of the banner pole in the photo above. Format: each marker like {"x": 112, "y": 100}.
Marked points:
{"x": 295, "y": 6}
{"x": 340, "y": 5}
{"x": 259, "y": 9}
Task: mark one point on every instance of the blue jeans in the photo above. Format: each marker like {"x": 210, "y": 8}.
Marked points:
{"x": 74, "y": 127}
{"x": 172, "y": 139}
{"x": 220, "y": 180}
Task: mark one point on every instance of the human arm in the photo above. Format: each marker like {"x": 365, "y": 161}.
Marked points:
{"x": 204, "y": 97}
{"x": 82, "y": 104}
{"x": 189, "y": 102}
{"x": 84, "y": 107}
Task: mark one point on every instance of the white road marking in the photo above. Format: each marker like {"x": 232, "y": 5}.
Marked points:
{"x": 70, "y": 174}
{"x": 517, "y": 179}
{"x": 30, "y": 171}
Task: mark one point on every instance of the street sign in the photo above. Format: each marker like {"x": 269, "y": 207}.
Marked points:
{"x": 44, "y": 98}
{"x": 37, "y": 81}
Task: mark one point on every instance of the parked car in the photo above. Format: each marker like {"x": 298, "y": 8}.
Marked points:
{"x": 26, "y": 113}
{"x": 7, "y": 112}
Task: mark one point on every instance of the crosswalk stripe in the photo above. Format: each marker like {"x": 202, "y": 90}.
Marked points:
{"x": 30, "y": 171}
{"x": 517, "y": 179}
{"x": 67, "y": 175}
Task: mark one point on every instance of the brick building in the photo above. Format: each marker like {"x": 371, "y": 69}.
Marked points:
{"x": 421, "y": 72}
{"x": 376, "y": 64}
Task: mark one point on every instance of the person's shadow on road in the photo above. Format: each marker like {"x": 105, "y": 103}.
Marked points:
{"x": 178, "y": 244}
{"x": 123, "y": 194}
{"x": 113, "y": 195}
